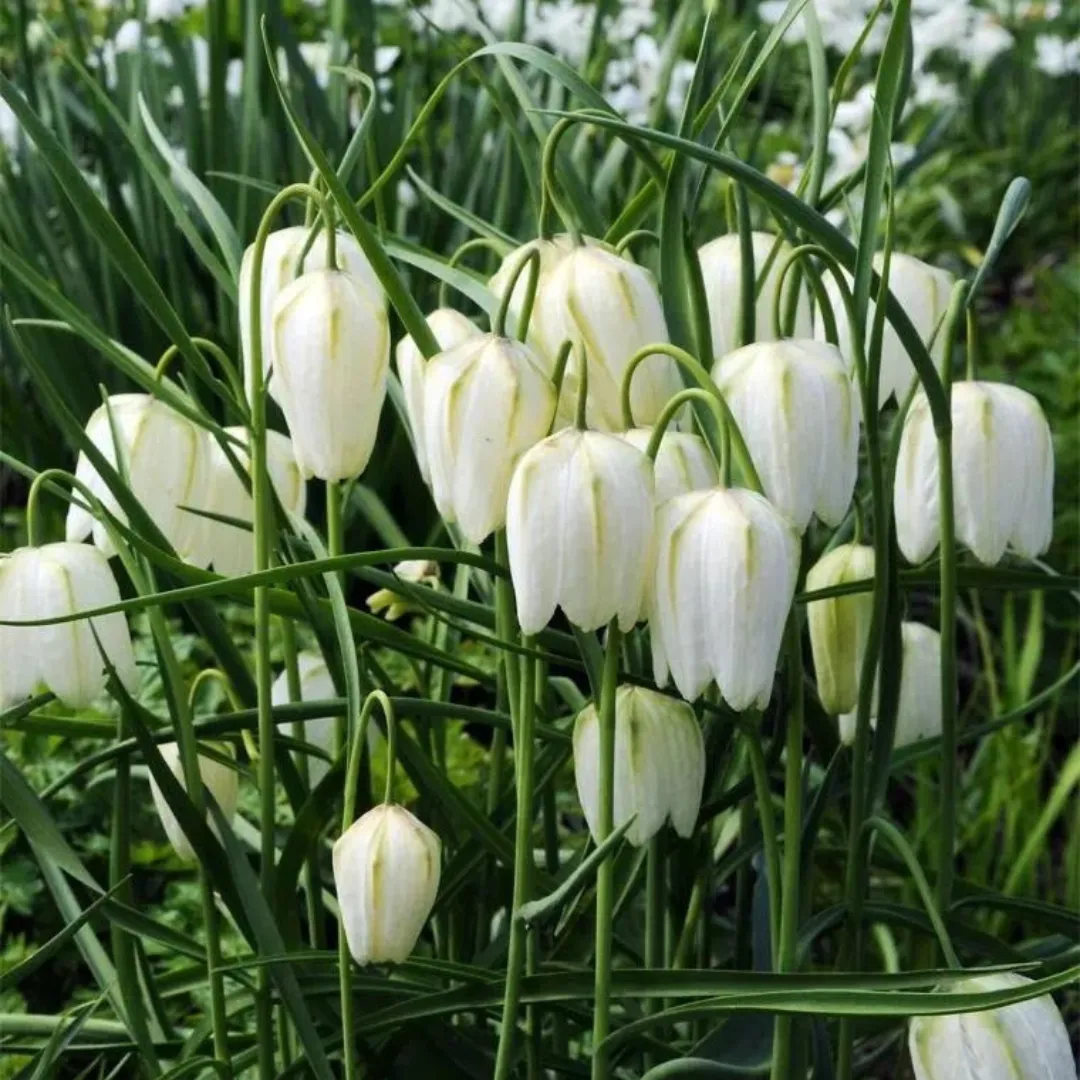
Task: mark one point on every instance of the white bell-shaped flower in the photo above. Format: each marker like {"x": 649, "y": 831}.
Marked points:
{"x": 45, "y": 583}
{"x": 839, "y": 626}
{"x": 230, "y": 547}
{"x": 1003, "y": 475}
{"x": 918, "y": 712}
{"x": 798, "y": 412}
{"x": 315, "y": 685}
{"x": 166, "y": 457}
{"x": 609, "y": 308}
{"x": 579, "y": 530}
{"x": 683, "y": 461}
{"x": 219, "y": 779}
{"x": 721, "y": 274}
{"x": 331, "y": 349}
{"x": 386, "y": 872}
{"x": 281, "y": 264}
{"x": 923, "y": 291}
{"x": 552, "y": 251}
{"x": 726, "y": 563}
{"x": 659, "y": 764}
{"x": 486, "y": 402}
{"x": 450, "y": 328}
{"x": 1025, "y": 1041}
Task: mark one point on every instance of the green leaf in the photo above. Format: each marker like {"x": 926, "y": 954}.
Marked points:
{"x": 1013, "y": 205}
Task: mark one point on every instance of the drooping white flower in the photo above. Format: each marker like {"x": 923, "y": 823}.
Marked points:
{"x": 450, "y": 328}
{"x": 219, "y": 779}
{"x": 726, "y": 563}
{"x": 166, "y": 458}
{"x": 315, "y": 685}
{"x": 45, "y": 583}
{"x": 1025, "y": 1041}
{"x": 918, "y": 714}
{"x": 798, "y": 411}
{"x": 659, "y": 764}
{"x": 923, "y": 291}
{"x": 230, "y": 547}
{"x": 609, "y": 308}
{"x": 1003, "y": 474}
{"x": 331, "y": 349}
{"x": 486, "y": 402}
{"x": 281, "y": 264}
{"x": 721, "y": 274}
{"x": 1056, "y": 57}
{"x": 839, "y": 626}
{"x": 386, "y": 872}
{"x": 579, "y": 529}
{"x": 683, "y": 462}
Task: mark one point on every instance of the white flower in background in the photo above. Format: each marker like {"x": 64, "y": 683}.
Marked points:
{"x": 923, "y": 291}
{"x": 579, "y": 528}
{"x": 839, "y": 626}
{"x": 10, "y": 127}
{"x": 928, "y": 89}
{"x": 1026, "y": 1041}
{"x": 725, "y": 569}
{"x": 315, "y": 685}
{"x": 45, "y": 583}
{"x": 166, "y": 457}
{"x": 385, "y": 57}
{"x": 397, "y": 604}
{"x": 609, "y": 308}
{"x": 281, "y": 263}
{"x": 918, "y": 713}
{"x": 1056, "y": 57}
{"x": 563, "y": 26}
{"x": 630, "y": 19}
{"x": 1003, "y": 474}
{"x": 721, "y": 274}
{"x": 219, "y": 779}
{"x": 318, "y": 57}
{"x": 683, "y": 462}
{"x": 165, "y": 10}
{"x": 486, "y": 402}
{"x": 856, "y": 113}
{"x": 128, "y": 36}
{"x": 386, "y": 875}
{"x": 406, "y": 195}
{"x": 331, "y": 354}
{"x": 985, "y": 39}
{"x": 234, "y": 77}
{"x": 797, "y": 409}
{"x": 659, "y": 764}
{"x": 229, "y": 548}
{"x": 450, "y": 328}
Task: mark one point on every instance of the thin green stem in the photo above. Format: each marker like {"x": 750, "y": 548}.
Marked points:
{"x": 671, "y": 410}
{"x": 789, "y": 911}
{"x": 605, "y": 875}
{"x": 476, "y": 242}
{"x": 583, "y": 390}
{"x": 767, "y": 824}
{"x": 524, "y": 747}
{"x": 531, "y": 261}
{"x": 548, "y": 195}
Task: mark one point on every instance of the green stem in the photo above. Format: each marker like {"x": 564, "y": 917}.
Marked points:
{"x": 767, "y": 823}
{"x": 531, "y": 261}
{"x": 335, "y": 544}
{"x": 605, "y": 875}
{"x": 789, "y": 917}
{"x": 523, "y": 866}
{"x": 352, "y": 779}
{"x": 654, "y": 921}
{"x": 261, "y": 525}
{"x": 548, "y": 196}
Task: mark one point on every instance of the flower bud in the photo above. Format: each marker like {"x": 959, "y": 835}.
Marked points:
{"x": 1003, "y": 474}
{"x": 220, "y": 780}
{"x": 683, "y": 462}
{"x": 1025, "y": 1041}
{"x": 47, "y": 582}
{"x": 395, "y": 604}
{"x": 166, "y": 458}
{"x": 659, "y": 764}
{"x": 609, "y": 308}
{"x": 450, "y": 328}
{"x": 386, "y": 872}
{"x": 724, "y": 580}
{"x": 839, "y": 626}
{"x": 579, "y": 529}
{"x": 229, "y": 547}
{"x": 281, "y": 264}
{"x": 315, "y": 685}
{"x": 485, "y": 403}
{"x": 918, "y": 712}
{"x": 798, "y": 412}
{"x": 331, "y": 349}
{"x": 721, "y": 273}
{"x": 923, "y": 291}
